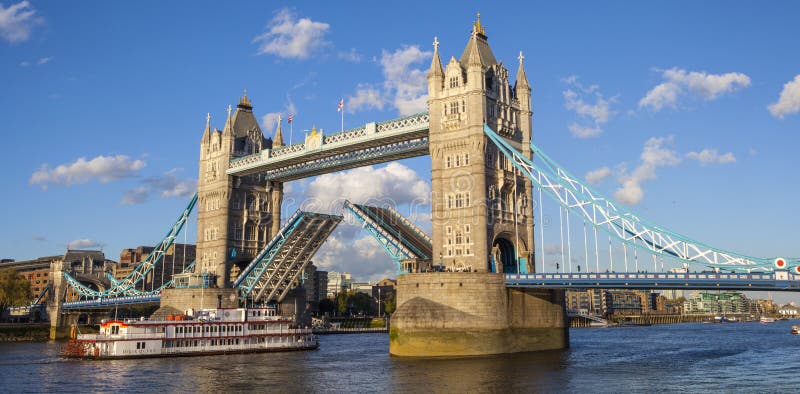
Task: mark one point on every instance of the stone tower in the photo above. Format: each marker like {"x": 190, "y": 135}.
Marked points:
{"x": 237, "y": 216}
{"x": 482, "y": 214}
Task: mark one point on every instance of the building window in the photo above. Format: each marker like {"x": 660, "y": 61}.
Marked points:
{"x": 448, "y": 230}
{"x": 453, "y": 82}
{"x": 236, "y": 204}
{"x": 458, "y": 160}
{"x": 454, "y": 107}
{"x": 447, "y": 162}
{"x": 250, "y": 232}
{"x": 237, "y": 231}
{"x": 466, "y": 159}
{"x": 463, "y": 105}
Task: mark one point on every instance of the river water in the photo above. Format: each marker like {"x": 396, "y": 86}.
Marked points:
{"x": 693, "y": 357}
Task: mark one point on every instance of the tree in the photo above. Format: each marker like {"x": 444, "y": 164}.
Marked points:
{"x": 389, "y": 303}
{"x": 14, "y": 290}
{"x": 327, "y": 306}
{"x": 359, "y": 302}
{"x": 341, "y": 301}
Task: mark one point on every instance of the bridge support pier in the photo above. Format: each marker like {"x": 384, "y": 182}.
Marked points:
{"x": 452, "y": 314}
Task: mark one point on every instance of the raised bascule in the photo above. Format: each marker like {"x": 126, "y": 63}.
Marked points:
{"x": 472, "y": 287}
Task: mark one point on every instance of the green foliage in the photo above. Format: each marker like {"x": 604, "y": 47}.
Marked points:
{"x": 341, "y": 301}
{"x": 389, "y": 304}
{"x": 353, "y": 302}
{"x": 14, "y": 290}
{"x": 327, "y": 306}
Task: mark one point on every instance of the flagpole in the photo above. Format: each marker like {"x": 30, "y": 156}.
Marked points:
{"x": 291, "y": 127}
{"x": 342, "y": 102}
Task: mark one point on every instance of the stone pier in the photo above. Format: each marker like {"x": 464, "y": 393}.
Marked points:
{"x": 472, "y": 314}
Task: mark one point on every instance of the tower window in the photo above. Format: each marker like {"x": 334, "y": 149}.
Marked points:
{"x": 453, "y": 82}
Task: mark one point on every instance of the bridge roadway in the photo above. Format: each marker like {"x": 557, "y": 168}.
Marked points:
{"x": 373, "y": 143}
{"x": 641, "y": 281}
{"x": 112, "y": 301}
{"x": 652, "y": 281}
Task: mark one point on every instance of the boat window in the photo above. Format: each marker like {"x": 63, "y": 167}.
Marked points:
{"x": 114, "y": 330}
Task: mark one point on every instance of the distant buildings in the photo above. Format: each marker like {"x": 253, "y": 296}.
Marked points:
{"x": 337, "y": 282}
{"x": 175, "y": 260}
{"x": 316, "y": 285}
{"x": 789, "y": 310}
{"x": 88, "y": 266}
{"x": 615, "y": 302}
{"x": 719, "y": 303}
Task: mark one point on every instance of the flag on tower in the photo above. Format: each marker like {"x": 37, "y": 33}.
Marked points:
{"x": 291, "y": 116}
{"x": 341, "y": 104}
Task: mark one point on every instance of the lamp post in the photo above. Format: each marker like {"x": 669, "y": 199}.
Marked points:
{"x": 379, "y": 302}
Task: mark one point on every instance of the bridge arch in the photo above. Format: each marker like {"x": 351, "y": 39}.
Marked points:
{"x": 504, "y": 255}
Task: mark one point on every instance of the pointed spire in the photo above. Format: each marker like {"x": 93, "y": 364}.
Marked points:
{"x": 522, "y": 79}
{"x": 278, "y": 140}
{"x": 477, "y": 51}
{"x": 436, "y": 64}
{"x": 228, "y": 123}
{"x": 207, "y": 131}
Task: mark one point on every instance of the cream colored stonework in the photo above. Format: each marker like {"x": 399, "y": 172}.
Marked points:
{"x": 473, "y": 185}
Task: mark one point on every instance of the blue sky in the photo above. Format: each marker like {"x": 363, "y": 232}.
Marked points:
{"x": 685, "y": 111}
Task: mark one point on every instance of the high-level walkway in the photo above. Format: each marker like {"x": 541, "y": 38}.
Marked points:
{"x": 374, "y": 143}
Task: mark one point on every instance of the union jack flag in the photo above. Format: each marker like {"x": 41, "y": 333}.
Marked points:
{"x": 291, "y": 116}
{"x": 341, "y": 104}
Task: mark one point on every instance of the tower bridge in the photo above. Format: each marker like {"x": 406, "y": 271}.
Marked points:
{"x": 485, "y": 294}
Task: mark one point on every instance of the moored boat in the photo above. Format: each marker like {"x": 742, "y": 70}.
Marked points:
{"x": 796, "y": 330}
{"x": 204, "y": 332}
{"x": 766, "y": 320}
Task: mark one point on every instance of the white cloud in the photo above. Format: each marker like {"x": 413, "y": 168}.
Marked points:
{"x": 711, "y": 156}
{"x": 408, "y": 86}
{"x": 269, "y": 122}
{"x": 40, "y": 62}
{"x": 596, "y": 113}
{"x": 84, "y": 243}
{"x": 701, "y": 84}
{"x": 16, "y": 21}
{"x": 584, "y": 131}
{"x": 102, "y": 168}
{"x": 350, "y": 56}
{"x": 789, "y": 101}
{"x": 291, "y": 38}
{"x": 596, "y": 176}
{"x": 363, "y": 258}
{"x": 404, "y": 86}
{"x": 366, "y": 97}
{"x": 393, "y": 183}
{"x": 136, "y": 196}
{"x": 349, "y": 248}
{"x": 654, "y": 155}
{"x": 166, "y": 185}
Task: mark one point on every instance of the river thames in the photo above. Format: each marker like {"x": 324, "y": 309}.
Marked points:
{"x": 693, "y": 357}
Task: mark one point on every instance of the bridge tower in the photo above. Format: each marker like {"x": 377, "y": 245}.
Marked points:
{"x": 482, "y": 216}
{"x": 237, "y": 215}
{"x": 482, "y": 221}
